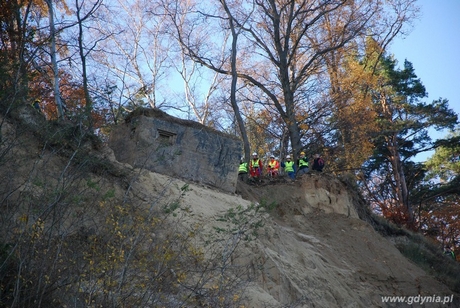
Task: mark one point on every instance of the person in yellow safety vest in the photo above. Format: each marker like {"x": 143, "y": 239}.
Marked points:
{"x": 255, "y": 166}
{"x": 303, "y": 164}
{"x": 273, "y": 166}
{"x": 243, "y": 170}
{"x": 449, "y": 252}
{"x": 36, "y": 105}
{"x": 289, "y": 167}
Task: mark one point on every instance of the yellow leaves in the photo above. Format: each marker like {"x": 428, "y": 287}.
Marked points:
{"x": 24, "y": 218}
{"x": 37, "y": 229}
{"x": 168, "y": 254}
{"x": 354, "y": 111}
{"x": 60, "y": 5}
{"x": 181, "y": 277}
{"x": 41, "y": 5}
{"x": 197, "y": 252}
{"x": 304, "y": 126}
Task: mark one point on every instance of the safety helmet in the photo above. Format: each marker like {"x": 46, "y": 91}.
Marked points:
{"x": 254, "y": 154}
{"x": 288, "y": 157}
{"x": 302, "y": 153}
{"x": 272, "y": 156}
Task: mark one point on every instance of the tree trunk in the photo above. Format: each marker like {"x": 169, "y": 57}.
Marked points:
{"x": 88, "y": 103}
{"x": 399, "y": 177}
{"x": 57, "y": 93}
{"x": 233, "y": 101}
{"x": 395, "y": 159}
{"x": 290, "y": 120}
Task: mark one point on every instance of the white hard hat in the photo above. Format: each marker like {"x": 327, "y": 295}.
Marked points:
{"x": 289, "y": 156}
{"x": 254, "y": 154}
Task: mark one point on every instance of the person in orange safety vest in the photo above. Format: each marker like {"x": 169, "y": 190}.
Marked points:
{"x": 273, "y": 166}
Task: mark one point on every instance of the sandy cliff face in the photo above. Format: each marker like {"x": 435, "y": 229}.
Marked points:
{"x": 313, "y": 250}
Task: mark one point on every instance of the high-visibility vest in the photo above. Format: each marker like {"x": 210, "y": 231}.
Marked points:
{"x": 303, "y": 163}
{"x": 243, "y": 167}
{"x": 273, "y": 164}
{"x": 289, "y": 166}
{"x": 255, "y": 164}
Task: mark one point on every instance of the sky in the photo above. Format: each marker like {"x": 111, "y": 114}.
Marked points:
{"x": 433, "y": 48}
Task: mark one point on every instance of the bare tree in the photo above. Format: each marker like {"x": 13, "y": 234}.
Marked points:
{"x": 178, "y": 13}
{"x": 200, "y": 105}
{"x": 283, "y": 46}
{"x": 136, "y": 53}
{"x": 83, "y": 51}
{"x": 233, "y": 62}
{"x": 54, "y": 62}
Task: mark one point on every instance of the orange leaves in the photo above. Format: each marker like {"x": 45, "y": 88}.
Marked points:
{"x": 397, "y": 214}
{"x": 441, "y": 220}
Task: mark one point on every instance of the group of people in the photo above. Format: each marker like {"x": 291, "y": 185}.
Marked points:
{"x": 254, "y": 169}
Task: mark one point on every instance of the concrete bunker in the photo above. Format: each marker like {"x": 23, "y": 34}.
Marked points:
{"x": 156, "y": 141}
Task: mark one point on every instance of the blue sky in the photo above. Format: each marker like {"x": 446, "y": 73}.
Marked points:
{"x": 433, "y": 47}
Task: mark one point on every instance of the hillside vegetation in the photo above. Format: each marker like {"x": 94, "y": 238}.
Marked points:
{"x": 79, "y": 229}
